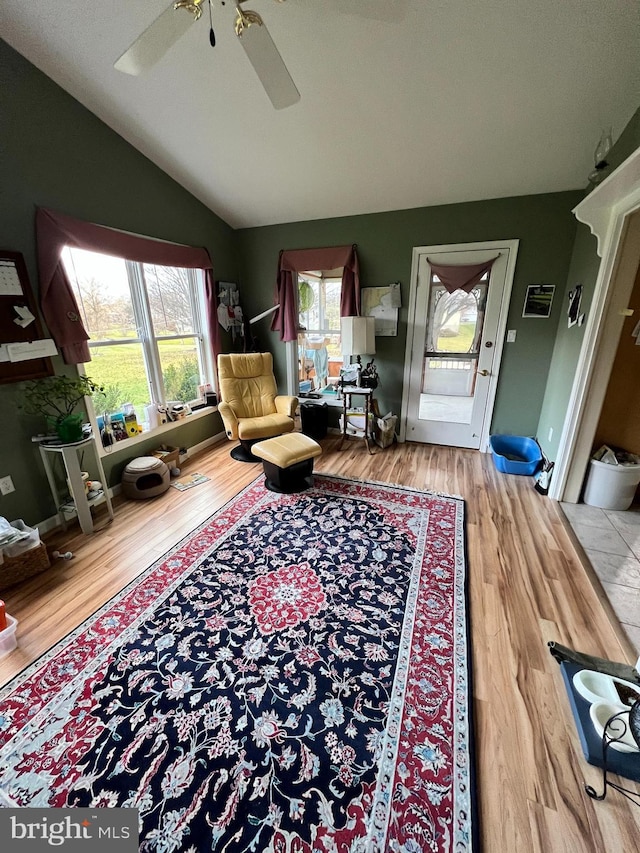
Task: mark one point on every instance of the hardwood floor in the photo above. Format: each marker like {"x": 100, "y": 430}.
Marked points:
{"x": 527, "y": 586}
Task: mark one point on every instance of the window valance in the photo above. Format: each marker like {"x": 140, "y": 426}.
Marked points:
{"x": 461, "y": 276}
{"x": 55, "y": 230}
{"x": 291, "y": 262}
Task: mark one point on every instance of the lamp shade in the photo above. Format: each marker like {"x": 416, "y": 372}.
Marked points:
{"x": 358, "y": 335}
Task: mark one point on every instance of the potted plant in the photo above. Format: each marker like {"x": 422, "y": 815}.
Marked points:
{"x": 57, "y": 397}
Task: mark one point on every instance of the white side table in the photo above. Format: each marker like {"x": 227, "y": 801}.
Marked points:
{"x": 70, "y": 457}
{"x": 348, "y": 392}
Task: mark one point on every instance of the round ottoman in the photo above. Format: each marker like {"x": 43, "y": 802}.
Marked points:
{"x": 145, "y": 477}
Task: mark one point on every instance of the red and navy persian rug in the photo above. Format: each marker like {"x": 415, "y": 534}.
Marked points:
{"x": 293, "y": 676}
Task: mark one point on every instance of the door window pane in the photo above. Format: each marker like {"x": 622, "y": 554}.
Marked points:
{"x": 452, "y": 344}
{"x": 455, "y": 319}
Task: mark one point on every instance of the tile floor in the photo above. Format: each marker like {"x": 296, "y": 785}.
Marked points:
{"x": 611, "y": 541}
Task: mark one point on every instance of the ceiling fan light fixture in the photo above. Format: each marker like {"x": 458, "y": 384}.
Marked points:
{"x": 601, "y": 164}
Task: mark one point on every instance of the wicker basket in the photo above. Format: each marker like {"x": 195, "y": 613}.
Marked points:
{"x": 25, "y": 565}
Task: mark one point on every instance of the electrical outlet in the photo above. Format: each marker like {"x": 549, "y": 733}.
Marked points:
{"x": 550, "y": 433}
{"x": 6, "y": 485}
{"x": 511, "y": 336}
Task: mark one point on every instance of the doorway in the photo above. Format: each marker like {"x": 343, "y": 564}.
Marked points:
{"x": 612, "y": 213}
{"x": 454, "y": 344}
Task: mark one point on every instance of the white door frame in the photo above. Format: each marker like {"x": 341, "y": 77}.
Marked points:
{"x": 607, "y": 210}
{"x": 412, "y": 328}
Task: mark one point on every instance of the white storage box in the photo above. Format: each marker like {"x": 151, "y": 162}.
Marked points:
{"x": 611, "y": 486}
{"x": 8, "y": 639}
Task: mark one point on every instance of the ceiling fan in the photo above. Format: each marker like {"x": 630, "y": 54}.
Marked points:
{"x": 250, "y": 29}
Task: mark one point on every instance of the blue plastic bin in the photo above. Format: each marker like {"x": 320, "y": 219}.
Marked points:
{"x": 515, "y": 454}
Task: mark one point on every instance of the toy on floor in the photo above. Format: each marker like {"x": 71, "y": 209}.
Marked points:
{"x": 94, "y": 487}
{"x": 62, "y": 555}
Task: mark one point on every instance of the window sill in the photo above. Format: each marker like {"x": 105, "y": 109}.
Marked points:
{"x": 152, "y": 433}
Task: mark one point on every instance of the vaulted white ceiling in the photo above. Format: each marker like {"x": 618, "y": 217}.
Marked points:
{"x": 440, "y": 101}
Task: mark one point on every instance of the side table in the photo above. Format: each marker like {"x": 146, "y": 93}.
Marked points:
{"x": 70, "y": 457}
{"x": 348, "y": 392}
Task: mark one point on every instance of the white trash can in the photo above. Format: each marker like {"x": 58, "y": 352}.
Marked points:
{"x": 611, "y": 486}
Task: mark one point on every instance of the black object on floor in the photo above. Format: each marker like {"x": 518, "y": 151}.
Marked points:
{"x": 314, "y": 419}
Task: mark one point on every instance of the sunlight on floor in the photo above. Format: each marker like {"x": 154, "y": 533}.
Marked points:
{"x": 444, "y": 407}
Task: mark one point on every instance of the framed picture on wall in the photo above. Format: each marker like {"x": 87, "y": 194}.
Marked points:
{"x": 538, "y": 301}
{"x": 573, "y": 312}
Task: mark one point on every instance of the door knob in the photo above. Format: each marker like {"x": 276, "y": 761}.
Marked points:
{"x": 483, "y": 372}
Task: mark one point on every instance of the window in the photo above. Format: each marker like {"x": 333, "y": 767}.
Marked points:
{"x": 319, "y": 355}
{"x": 456, "y": 317}
{"x": 452, "y": 343}
{"x": 147, "y": 328}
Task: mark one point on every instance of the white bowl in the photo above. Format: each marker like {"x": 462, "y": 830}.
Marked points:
{"x": 598, "y": 687}
{"x": 600, "y": 712}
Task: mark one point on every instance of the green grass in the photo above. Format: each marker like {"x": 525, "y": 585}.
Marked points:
{"x": 461, "y": 342}
{"x": 121, "y": 367}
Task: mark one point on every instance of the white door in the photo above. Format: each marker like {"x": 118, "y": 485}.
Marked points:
{"x": 454, "y": 346}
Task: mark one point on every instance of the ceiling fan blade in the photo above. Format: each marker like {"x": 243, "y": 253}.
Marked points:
{"x": 155, "y": 41}
{"x": 269, "y": 65}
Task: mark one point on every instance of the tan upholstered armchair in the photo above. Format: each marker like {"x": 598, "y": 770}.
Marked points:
{"x": 250, "y": 406}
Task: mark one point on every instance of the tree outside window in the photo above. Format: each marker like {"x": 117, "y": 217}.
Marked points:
{"x": 146, "y": 327}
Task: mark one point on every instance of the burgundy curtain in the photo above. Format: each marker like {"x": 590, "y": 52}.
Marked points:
{"x": 54, "y": 231}
{"x": 461, "y": 276}
{"x": 291, "y": 262}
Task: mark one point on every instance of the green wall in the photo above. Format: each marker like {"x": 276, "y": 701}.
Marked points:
{"x": 584, "y": 267}
{"x": 57, "y": 154}
{"x": 542, "y": 223}
{"x": 583, "y": 270}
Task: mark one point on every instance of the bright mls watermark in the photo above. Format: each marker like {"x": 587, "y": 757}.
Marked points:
{"x": 106, "y": 830}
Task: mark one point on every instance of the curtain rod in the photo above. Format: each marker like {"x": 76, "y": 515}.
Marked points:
{"x": 264, "y": 314}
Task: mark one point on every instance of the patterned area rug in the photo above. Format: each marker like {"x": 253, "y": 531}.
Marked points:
{"x": 292, "y": 676}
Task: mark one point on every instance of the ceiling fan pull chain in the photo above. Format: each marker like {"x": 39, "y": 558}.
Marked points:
{"x": 212, "y": 35}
